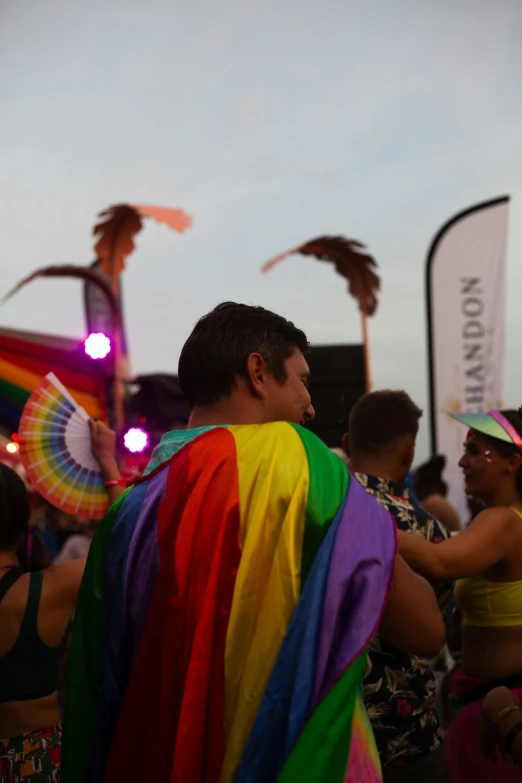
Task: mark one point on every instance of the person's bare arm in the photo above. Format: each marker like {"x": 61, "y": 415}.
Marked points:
{"x": 487, "y": 541}
{"x": 103, "y": 447}
{"x": 65, "y": 578}
{"x": 412, "y": 620}
{"x": 501, "y": 712}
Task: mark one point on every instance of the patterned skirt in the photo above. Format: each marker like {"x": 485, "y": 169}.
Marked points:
{"x": 32, "y": 757}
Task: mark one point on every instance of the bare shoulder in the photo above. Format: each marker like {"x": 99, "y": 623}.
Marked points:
{"x": 499, "y": 515}
{"x": 65, "y": 577}
{"x": 498, "y": 520}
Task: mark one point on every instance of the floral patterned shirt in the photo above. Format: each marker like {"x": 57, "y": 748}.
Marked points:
{"x": 399, "y": 689}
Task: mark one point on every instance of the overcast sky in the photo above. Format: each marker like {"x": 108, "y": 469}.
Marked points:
{"x": 270, "y": 122}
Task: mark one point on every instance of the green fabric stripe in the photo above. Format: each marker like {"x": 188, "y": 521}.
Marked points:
{"x": 81, "y": 697}
{"x": 329, "y": 480}
{"x": 172, "y": 442}
{"x": 321, "y": 752}
{"x": 13, "y": 393}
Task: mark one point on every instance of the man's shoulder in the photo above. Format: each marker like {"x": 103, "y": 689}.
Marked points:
{"x": 278, "y": 441}
{"x": 409, "y": 516}
{"x": 388, "y": 497}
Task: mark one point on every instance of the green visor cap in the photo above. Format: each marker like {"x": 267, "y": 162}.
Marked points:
{"x": 484, "y": 423}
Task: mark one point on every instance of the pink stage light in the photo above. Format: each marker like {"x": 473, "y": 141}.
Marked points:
{"x": 97, "y": 346}
{"x": 136, "y": 440}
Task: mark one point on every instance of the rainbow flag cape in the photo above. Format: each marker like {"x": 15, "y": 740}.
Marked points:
{"x": 222, "y": 623}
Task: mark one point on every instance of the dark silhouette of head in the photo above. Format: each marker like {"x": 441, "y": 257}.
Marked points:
{"x": 14, "y": 510}
{"x": 382, "y": 431}
{"x": 428, "y": 478}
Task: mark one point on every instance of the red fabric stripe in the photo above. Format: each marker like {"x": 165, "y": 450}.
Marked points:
{"x": 73, "y": 380}
{"x": 175, "y": 697}
{"x": 77, "y": 359}
{"x": 73, "y": 368}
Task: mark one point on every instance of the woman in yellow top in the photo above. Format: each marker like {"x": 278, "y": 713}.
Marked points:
{"x": 486, "y": 559}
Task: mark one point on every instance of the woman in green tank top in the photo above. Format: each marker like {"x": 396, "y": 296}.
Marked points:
{"x": 35, "y": 610}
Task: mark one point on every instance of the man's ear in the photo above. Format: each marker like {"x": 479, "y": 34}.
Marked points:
{"x": 256, "y": 374}
{"x": 346, "y": 444}
{"x": 514, "y": 462}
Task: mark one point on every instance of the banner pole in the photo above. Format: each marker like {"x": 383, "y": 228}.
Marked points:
{"x": 119, "y": 411}
{"x": 366, "y": 349}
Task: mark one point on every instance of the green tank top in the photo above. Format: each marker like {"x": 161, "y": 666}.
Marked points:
{"x": 30, "y": 669}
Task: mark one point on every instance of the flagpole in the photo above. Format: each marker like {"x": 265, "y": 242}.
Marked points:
{"x": 119, "y": 411}
{"x": 366, "y": 347}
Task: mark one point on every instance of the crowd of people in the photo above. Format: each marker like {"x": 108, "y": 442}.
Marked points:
{"x": 258, "y": 608}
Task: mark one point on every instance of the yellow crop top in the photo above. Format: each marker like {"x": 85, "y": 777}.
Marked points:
{"x": 485, "y": 603}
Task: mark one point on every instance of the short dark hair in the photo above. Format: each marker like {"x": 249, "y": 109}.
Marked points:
{"x": 216, "y": 352}
{"x": 14, "y": 509}
{"x": 428, "y": 478}
{"x": 377, "y": 419}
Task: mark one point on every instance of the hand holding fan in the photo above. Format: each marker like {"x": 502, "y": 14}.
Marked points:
{"x": 55, "y": 449}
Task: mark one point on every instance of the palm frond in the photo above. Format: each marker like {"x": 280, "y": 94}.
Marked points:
{"x": 121, "y": 222}
{"x": 350, "y": 262}
{"x": 79, "y": 273}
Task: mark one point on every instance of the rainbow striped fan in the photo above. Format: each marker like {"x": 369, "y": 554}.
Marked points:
{"x": 55, "y": 449}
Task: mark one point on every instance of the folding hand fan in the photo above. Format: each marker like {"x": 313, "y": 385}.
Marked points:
{"x": 55, "y": 449}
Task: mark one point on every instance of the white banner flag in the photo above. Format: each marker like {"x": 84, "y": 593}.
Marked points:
{"x": 466, "y": 281}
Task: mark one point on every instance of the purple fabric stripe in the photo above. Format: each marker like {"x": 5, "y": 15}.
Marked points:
{"x": 364, "y": 555}
{"x": 143, "y": 561}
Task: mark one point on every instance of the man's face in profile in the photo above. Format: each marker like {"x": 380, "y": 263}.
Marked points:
{"x": 291, "y": 401}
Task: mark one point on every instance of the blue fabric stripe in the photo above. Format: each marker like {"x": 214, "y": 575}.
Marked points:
{"x": 285, "y": 705}
{"x": 143, "y": 564}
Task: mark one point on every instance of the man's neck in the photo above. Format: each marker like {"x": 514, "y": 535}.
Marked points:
{"x": 374, "y": 468}
{"x": 228, "y": 411}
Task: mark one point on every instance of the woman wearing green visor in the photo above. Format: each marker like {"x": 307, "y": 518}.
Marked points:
{"x": 486, "y": 559}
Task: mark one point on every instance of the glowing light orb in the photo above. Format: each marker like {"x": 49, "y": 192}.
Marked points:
{"x": 12, "y": 448}
{"x": 97, "y": 346}
{"x": 136, "y": 440}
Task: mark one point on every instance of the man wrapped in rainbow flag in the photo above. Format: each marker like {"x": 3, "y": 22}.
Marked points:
{"x": 229, "y": 597}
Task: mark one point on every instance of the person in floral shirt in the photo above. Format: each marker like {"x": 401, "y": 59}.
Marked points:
{"x": 399, "y": 689}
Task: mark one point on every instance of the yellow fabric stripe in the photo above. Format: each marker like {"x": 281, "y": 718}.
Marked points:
{"x": 274, "y": 479}
{"x": 28, "y": 380}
